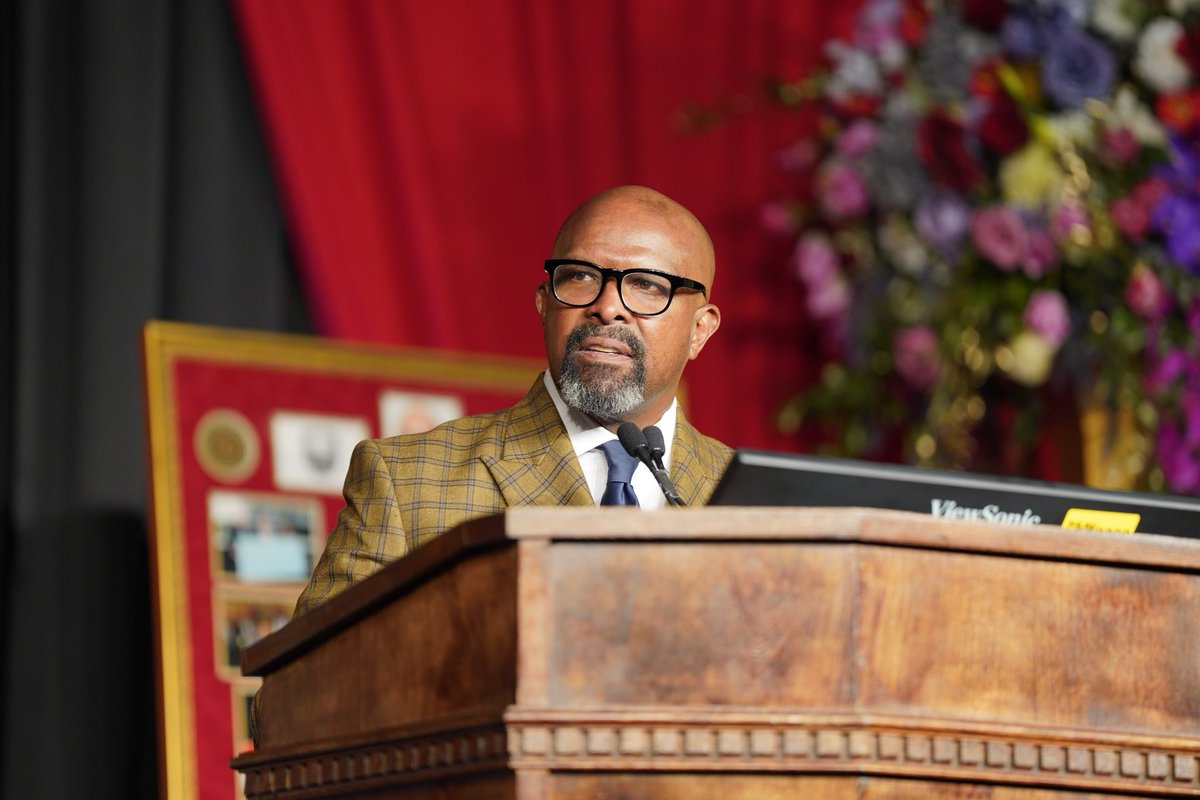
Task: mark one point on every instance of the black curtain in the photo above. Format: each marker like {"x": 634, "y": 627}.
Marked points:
{"x": 136, "y": 187}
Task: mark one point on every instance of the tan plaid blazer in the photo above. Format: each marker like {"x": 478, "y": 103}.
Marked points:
{"x": 406, "y": 490}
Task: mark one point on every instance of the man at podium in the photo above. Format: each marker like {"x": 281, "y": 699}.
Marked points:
{"x": 624, "y": 307}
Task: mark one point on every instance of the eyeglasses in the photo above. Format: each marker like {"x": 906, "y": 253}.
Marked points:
{"x": 645, "y": 292}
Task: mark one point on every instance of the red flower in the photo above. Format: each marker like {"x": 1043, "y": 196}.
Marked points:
{"x": 913, "y": 20}
{"x": 858, "y": 106}
{"x": 942, "y": 148}
{"x": 1180, "y": 111}
{"x": 1003, "y": 129}
{"x": 985, "y": 80}
{"x": 986, "y": 15}
{"x": 1187, "y": 47}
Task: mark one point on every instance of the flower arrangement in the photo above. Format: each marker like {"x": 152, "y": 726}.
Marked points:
{"x": 1001, "y": 205}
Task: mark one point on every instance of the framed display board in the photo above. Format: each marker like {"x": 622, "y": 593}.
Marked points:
{"x": 250, "y": 435}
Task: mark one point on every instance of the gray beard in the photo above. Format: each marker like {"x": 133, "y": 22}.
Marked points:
{"x": 597, "y": 390}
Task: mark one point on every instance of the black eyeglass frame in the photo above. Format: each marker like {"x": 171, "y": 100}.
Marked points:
{"x": 677, "y": 282}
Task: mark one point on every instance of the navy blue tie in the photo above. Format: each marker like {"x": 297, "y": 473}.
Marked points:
{"x": 621, "y": 465}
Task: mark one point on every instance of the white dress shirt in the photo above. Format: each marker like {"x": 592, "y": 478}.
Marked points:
{"x": 587, "y": 436}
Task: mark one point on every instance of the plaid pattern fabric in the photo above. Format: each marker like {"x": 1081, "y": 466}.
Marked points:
{"x": 406, "y": 490}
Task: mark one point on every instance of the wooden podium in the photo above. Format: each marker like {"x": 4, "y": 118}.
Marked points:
{"x": 743, "y": 653}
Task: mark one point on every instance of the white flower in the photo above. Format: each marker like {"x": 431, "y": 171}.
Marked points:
{"x": 1109, "y": 17}
{"x": 1179, "y": 8}
{"x": 1156, "y": 60}
{"x": 893, "y": 56}
{"x": 854, "y": 73}
{"x": 1027, "y": 358}
{"x": 903, "y": 247}
{"x": 1072, "y": 129}
{"x": 1129, "y": 112}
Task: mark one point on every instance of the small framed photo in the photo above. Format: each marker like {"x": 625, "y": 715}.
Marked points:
{"x": 311, "y": 452}
{"x": 415, "y": 412}
{"x": 242, "y": 616}
{"x": 263, "y": 538}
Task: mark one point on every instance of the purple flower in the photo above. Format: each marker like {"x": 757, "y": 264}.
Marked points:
{"x": 1191, "y": 420}
{"x": 1179, "y": 219}
{"x": 915, "y": 352}
{"x": 1077, "y": 67}
{"x": 1180, "y": 465}
{"x": 1022, "y": 37}
{"x": 1046, "y": 315}
{"x": 1193, "y": 318}
{"x": 942, "y": 219}
{"x": 1163, "y": 375}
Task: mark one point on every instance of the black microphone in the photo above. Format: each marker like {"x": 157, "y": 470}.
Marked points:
{"x": 657, "y": 445}
{"x": 635, "y": 443}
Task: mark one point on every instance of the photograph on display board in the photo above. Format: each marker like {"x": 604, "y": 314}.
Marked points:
{"x": 242, "y": 616}
{"x": 416, "y": 412}
{"x": 311, "y": 452}
{"x": 263, "y": 538}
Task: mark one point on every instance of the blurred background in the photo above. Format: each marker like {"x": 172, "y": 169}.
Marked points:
{"x": 923, "y": 252}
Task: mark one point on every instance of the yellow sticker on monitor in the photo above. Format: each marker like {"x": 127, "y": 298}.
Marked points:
{"x": 1091, "y": 520}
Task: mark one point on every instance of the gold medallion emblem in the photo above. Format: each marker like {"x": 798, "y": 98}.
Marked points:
{"x": 226, "y": 445}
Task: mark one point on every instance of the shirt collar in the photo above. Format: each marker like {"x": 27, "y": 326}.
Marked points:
{"x": 586, "y": 434}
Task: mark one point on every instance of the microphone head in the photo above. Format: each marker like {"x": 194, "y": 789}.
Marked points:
{"x": 655, "y": 441}
{"x": 631, "y": 438}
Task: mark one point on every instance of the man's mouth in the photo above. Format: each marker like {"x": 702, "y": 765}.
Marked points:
{"x": 603, "y": 348}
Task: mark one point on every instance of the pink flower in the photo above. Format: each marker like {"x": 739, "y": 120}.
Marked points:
{"x": 1067, "y": 219}
{"x": 1131, "y": 217}
{"x": 916, "y": 355}
{"x": 1040, "y": 255}
{"x": 857, "y": 139}
{"x": 1150, "y": 191}
{"x": 829, "y": 300}
{"x": 1119, "y": 146}
{"x": 776, "y": 218}
{"x": 1046, "y": 315}
{"x": 815, "y": 260}
{"x": 1144, "y": 293}
{"x": 1000, "y": 236}
{"x": 842, "y": 192}
{"x": 1132, "y": 213}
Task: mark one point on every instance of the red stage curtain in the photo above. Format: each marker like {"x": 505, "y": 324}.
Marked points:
{"x": 427, "y": 152}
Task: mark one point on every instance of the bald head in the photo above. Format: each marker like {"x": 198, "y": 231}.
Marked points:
{"x": 610, "y": 362}
{"x": 638, "y": 211}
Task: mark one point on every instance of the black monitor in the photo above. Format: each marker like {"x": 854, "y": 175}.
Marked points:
{"x": 761, "y": 478}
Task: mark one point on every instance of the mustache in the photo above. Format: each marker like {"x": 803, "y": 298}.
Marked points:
{"x": 627, "y": 337}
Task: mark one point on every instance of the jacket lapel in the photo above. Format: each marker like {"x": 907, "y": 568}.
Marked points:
{"x": 538, "y": 466}
{"x": 696, "y": 463}
{"x": 685, "y": 465}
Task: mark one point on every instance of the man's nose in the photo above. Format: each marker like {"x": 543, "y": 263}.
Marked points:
{"x": 608, "y": 306}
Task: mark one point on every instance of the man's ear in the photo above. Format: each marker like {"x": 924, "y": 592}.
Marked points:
{"x": 704, "y": 324}
{"x": 539, "y": 300}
